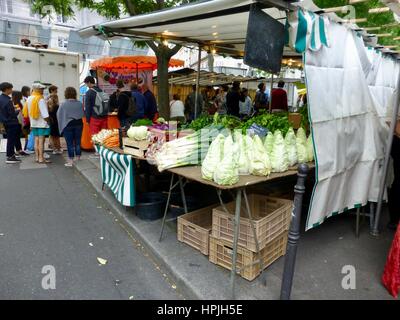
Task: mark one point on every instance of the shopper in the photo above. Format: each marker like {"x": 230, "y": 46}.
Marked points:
{"x": 26, "y": 92}
{"x": 17, "y": 102}
{"x": 9, "y": 119}
{"x": 123, "y": 101}
{"x": 394, "y": 191}
{"x": 16, "y": 98}
{"x": 177, "y": 109}
{"x": 190, "y": 105}
{"x": 261, "y": 99}
{"x": 220, "y": 100}
{"x": 232, "y": 99}
{"x": 151, "y": 106}
{"x": 53, "y": 105}
{"x": 97, "y": 120}
{"x": 140, "y": 101}
{"x": 70, "y": 116}
{"x": 245, "y": 104}
{"x": 39, "y": 120}
{"x": 279, "y": 102}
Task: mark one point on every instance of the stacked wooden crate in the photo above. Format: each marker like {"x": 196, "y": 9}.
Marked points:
{"x": 211, "y": 230}
{"x": 271, "y": 219}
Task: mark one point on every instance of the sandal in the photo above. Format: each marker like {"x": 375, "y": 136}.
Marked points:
{"x": 44, "y": 162}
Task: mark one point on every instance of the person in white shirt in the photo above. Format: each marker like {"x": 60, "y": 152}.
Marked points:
{"x": 177, "y": 109}
{"x": 39, "y": 120}
{"x": 245, "y": 104}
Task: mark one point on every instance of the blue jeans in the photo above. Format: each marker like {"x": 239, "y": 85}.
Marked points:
{"x": 73, "y": 135}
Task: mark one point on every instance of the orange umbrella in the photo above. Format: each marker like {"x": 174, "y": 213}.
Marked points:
{"x": 131, "y": 62}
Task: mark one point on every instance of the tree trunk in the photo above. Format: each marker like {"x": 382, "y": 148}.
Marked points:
{"x": 164, "y": 55}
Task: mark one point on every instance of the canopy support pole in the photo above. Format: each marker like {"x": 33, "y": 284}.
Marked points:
{"x": 375, "y": 230}
{"x": 270, "y": 93}
{"x": 196, "y": 106}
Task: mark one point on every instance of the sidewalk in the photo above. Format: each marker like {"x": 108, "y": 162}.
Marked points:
{"x": 322, "y": 253}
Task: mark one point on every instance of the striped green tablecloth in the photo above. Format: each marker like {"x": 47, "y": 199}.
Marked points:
{"x": 118, "y": 173}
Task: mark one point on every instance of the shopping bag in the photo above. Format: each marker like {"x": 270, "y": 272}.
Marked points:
{"x": 31, "y": 142}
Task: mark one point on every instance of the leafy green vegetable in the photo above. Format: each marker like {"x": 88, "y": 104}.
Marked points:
{"x": 304, "y": 117}
{"x": 291, "y": 148}
{"x": 142, "y": 122}
{"x": 273, "y": 122}
{"x": 279, "y": 160}
{"x": 227, "y": 172}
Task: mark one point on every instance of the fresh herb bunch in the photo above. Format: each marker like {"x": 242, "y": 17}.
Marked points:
{"x": 143, "y": 122}
{"x": 199, "y": 123}
{"x": 273, "y": 122}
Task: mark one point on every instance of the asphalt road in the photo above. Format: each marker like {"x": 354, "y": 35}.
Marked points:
{"x": 50, "y": 216}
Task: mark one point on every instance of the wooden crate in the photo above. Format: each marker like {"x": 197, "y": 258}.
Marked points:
{"x": 271, "y": 217}
{"x": 247, "y": 264}
{"x": 295, "y": 120}
{"x": 194, "y": 228}
{"x": 135, "y": 148}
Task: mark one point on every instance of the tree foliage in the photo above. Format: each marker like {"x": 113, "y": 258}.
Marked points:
{"x": 114, "y": 9}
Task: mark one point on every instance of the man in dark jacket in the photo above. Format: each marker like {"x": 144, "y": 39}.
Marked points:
{"x": 141, "y": 102}
{"x": 151, "y": 109}
{"x": 8, "y": 116}
{"x": 96, "y": 123}
{"x": 232, "y": 100}
{"x": 122, "y": 102}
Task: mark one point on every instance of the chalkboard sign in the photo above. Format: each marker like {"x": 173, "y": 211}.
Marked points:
{"x": 264, "y": 42}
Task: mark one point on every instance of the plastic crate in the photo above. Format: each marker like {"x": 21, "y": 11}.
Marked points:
{"x": 194, "y": 228}
{"x": 271, "y": 217}
{"x": 247, "y": 264}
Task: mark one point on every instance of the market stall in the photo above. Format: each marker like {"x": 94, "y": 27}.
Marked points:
{"x": 129, "y": 69}
{"x": 348, "y": 130}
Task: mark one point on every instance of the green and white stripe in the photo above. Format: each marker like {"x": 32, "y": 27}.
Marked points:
{"x": 307, "y": 30}
{"x": 117, "y": 172}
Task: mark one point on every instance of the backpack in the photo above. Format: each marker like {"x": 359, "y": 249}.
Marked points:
{"x": 102, "y": 104}
{"x": 131, "y": 107}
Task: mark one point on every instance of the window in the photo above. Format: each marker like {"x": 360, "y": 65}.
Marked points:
{"x": 9, "y": 6}
{"x": 62, "y": 19}
{"x": 62, "y": 42}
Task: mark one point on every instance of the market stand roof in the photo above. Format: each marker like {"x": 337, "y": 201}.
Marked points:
{"x": 218, "y": 24}
{"x": 131, "y": 62}
{"x": 188, "y": 76}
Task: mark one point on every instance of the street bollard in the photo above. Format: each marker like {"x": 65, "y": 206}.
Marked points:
{"x": 294, "y": 233}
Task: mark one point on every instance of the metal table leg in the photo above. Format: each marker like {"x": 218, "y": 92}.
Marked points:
{"x": 103, "y": 186}
{"x": 358, "y": 223}
{"x": 264, "y": 281}
{"x": 183, "y": 194}
{"x": 235, "y": 240}
{"x": 371, "y": 215}
{"x": 171, "y": 186}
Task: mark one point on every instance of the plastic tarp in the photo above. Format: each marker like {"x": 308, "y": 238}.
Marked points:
{"x": 346, "y": 98}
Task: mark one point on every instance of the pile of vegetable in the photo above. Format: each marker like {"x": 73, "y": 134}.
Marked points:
{"x": 138, "y": 133}
{"x": 142, "y": 122}
{"x": 273, "y": 122}
{"x": 102, "y": 135}
{"x": 231, "y": 155}
{"x": 112, "y": 141}
{"x": 188, "y": 150}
